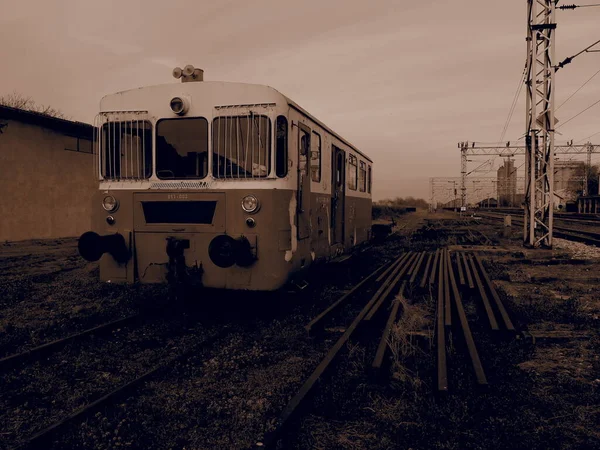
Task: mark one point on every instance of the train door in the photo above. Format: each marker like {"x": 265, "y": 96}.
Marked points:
{"x": 303, "y": 198}
{"x": 338, "y": 195}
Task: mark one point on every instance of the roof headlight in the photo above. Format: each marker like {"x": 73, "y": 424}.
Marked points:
{"x": 110, "y": 203}
{"x": 250, "y": 204}
{"x": 179, "y": 105}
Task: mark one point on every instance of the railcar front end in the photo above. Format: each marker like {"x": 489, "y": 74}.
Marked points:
{"x": 191, "y": 187}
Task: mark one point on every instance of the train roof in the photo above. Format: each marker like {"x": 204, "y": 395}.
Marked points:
{"x": 290, "y": 102}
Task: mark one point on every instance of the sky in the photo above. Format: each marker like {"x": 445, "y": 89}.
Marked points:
{"x": 404, "y": 81}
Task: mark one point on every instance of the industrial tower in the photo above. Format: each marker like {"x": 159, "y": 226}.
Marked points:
{"x": 539, "y": 137}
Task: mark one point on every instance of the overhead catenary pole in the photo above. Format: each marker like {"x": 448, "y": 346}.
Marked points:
{"x": 539, "y": 137}
{"x": 463, "y": 173}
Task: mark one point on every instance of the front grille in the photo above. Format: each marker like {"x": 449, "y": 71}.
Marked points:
{"x": 199, "y": 212}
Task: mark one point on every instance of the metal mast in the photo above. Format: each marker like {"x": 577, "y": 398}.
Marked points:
{"x": 539, "y": 143}
{"x": 463, "y": 173}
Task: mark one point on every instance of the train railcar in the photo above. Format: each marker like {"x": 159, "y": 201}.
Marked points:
{"x": 231, "y": 185}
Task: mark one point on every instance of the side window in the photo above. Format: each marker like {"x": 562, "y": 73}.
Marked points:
{"x": 352, "y": 172}
{"x": 369, "y": 175}
{"x": 315, "y": 158}
{"x": 304, "y": 153}
{"x": 362, "y": 177}
{"x": 281, "y": 147}
{"x": 340, "y": 168}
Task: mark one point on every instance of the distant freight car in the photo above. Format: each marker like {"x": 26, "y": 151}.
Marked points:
{"x": 230, "y": 184}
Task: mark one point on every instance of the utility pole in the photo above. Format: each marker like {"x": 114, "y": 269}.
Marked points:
{"x": 463, "y": 173}
{"x": 539, "y": 137}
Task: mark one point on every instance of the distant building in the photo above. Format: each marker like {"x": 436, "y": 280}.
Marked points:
{"x": 568, "y": 182}
{"x": 46, "y": 176}
{"x": 489, "y": 202}
{"x": 507, "y": 183}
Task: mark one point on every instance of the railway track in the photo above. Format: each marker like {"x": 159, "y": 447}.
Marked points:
{"x": 40, "y": 351}
{"x": 573, "y": 234}
{"x": 124, "y": 355}
{"x": 43, "y": 438}
{"x": 454, "y": 277}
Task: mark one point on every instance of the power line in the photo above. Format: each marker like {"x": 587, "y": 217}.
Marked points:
{"x": 576, "y": 6}
{"x": 568, "y": 59}
{"x": 579, "y": 113}
{"x": 580, "y": 87}
{"x": 585, "y": 139}
{"x": 513, "y": 104}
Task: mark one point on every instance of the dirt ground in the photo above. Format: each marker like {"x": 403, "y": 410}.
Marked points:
{"x": 542, "y": 394}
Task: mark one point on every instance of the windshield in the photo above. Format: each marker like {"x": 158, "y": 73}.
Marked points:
{"x": 182, "y": 148}
{"x": 241, "y": 146}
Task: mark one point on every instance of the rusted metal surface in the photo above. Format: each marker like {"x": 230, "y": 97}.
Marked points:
{"x": 499, "y": 305}
{"x": 442, "y": 370}
{"x": 426, "y": 272}
{"x": 318, "y": 321}
{"x": 484, "y": 298}
{"x": 434, "y": 267}
{"x": 468, "y": 272}
{"x": 295, "y": 403}
{"x": 389, "y": 287}
{"x": 416, "y": 269}
{"x": 461, "y": 276}
{"x": 466, "y": 330}
{"x": 444, "y": 280}
{"x": 383, "y": 343}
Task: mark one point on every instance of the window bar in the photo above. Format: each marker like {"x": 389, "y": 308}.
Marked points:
{"x": 260, "y": 126}
{"x": 113, "y": 152}
{"x": 253, "y": 144}
{"x": 135, "y": 155}
{"x": 131, "y": 152}
{"x": 121, "y": 151}
{"x": 218, "y": 144}
{"x": 229, "y": 154}
{"x": 143, "y": 143}
{"x": 248, "y": 145}
{"x": 237, "y": 144}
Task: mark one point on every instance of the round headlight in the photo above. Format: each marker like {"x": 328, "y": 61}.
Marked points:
{"x": 250, "y": 204}
{"x": 110, "y": 203}
{"x": 179, "y": 105}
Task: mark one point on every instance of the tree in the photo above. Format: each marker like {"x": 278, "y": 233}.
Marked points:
{"x": 19, "y": 101}
{"x": 583, "y": 172}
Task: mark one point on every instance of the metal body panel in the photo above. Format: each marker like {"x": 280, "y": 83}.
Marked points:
{"x": 294, "y": 224}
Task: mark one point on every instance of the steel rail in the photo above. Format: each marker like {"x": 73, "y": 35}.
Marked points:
{"x": 396, "y": 276}
{"x": 468, "y": 272}
{"x": 499, "y": 305}
{"x": 461, "y": 275}
{"x": 484, "y": 298}
{"x": 318, "y": 320}
{"x": 37, "y": 352}
{"x": 434, "y": 267}
{"x": 447, "y": 304}
{"x": 291, "y": 409}
{"x": 42, "y": 439}
{"x": 383, "y": 343}
{"x": 426, "y": 272}
{"x": 417, "y": 268}
{"x": 442, "y": 369}
{"x": 464, "y": 325}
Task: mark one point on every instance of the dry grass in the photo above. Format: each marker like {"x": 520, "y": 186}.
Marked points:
{"x": 403, "y": 341}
